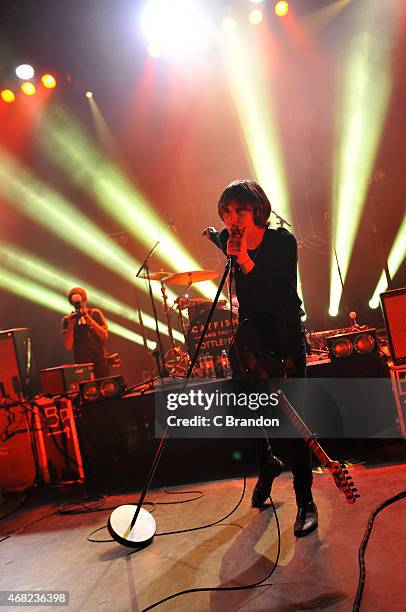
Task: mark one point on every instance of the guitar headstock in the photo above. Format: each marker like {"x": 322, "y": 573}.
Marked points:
{"x": 343, "y": 481}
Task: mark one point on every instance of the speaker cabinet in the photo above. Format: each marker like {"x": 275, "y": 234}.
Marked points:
{"x": 15, "y": 363}
{"x": 394, "y": 311}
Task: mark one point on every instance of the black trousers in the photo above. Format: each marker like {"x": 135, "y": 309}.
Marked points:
{"x": 300, "y": 454}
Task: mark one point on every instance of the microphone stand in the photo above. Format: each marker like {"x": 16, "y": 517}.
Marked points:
{"x": 137, "y": 529}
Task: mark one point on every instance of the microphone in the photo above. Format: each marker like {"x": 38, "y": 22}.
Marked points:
{"x": 234, "y": 232}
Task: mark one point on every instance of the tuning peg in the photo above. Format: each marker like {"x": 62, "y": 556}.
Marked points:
{"x": 354, "y": 489}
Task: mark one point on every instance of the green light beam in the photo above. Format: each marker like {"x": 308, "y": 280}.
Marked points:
{"x": 395, "y": 260}
{"x": 248, "y": 81}
{"x": 28, "y": 264}
{"x": 65, "y": 144}
{"x": 53, "y": 211}
{"x": 366, "y": 94}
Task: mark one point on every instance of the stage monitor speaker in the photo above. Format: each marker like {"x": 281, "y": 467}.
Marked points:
{"x": 15, "y": 363}
{"x": 394, "y": 311}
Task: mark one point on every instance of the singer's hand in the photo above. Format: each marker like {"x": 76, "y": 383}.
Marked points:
{"x": 237, "y": 244}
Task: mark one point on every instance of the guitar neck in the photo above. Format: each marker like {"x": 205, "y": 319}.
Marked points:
{"x": 303, "y": 430}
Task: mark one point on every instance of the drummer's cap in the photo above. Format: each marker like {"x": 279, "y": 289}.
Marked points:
{"x": 250, "y": 193}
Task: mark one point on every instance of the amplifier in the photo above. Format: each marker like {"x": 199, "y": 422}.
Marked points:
{"x": 64, "y": 378}
{"x": 394, "y": 311}
{"x": 15, "y": 362}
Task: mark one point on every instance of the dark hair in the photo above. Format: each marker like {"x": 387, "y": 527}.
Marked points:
{"x": 247, "y": 192}
{"x": 77, "y": 290}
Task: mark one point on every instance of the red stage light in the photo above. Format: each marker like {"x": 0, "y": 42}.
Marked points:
{"x": 48, "y": 81}
{"x": 281, "y": 8}
{"x": 7, "y": 95}
{"x": 28, "y": 88}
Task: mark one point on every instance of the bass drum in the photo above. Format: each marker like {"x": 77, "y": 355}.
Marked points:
{"x": 218, "y": 336}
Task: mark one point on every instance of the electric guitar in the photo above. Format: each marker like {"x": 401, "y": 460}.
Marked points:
{"x": 249, "y": 356}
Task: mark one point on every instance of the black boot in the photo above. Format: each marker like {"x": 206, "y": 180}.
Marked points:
{"x": 307, "y": 517}
{"x": 262, "y": 489}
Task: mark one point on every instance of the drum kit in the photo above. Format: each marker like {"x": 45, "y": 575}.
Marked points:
{"x": 192, "y": 315}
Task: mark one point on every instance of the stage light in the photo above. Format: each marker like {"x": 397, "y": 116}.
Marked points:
{"x": 28, "y": 88}
{"x": 333, "y": 312}
{"x": 367, "y": 84}
{"x": 7, "y": 96}
{"x": 228, "y": 24}
{"x": 154, "y": 51}
{"x": 255, "y": 17}
{"x": 89, "y": 94}
{"x": 178, "y": 27}
{"x": 25, "y": 72}
{"x": 281, "y": 8}
{"x": 48, "y": 81}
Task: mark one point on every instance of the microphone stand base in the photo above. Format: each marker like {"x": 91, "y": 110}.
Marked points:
{"x": 138, "y": 536}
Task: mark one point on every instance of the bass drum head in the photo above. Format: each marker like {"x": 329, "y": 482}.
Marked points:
{"x": 218, "y": 336}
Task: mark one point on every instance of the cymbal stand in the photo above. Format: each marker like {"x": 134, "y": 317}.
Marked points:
{"x": 159, "y": 358}
{"x": 167, "y": 316}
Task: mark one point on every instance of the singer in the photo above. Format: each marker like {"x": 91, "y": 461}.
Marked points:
{"x": 85, "y": 331}
{"x": 265, "y": 279}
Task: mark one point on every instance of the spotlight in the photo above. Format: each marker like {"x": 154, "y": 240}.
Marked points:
{"x": 228, "y": 24}
{"x": 7, "y": 95}
{"x": 177, "y": 28}
{"x": 255, "y": 17}
{"x": 102, "y": 388}
{"x": 89, "y": 94}
{"x": 281, "y": 8}
{"x": 25, "y": 72}
{"x": 154, "y": 51}
{"x": 28, "y": 88}
{"x": 48, "y": 81}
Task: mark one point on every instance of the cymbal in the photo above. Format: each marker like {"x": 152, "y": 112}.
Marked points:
{"x": 159, "y": 276}
{"x": 188, "y": 278}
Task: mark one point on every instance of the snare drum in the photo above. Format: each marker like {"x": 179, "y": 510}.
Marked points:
{"x": 218, "y": 336}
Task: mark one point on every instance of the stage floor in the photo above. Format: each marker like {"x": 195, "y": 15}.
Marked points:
{"x": 319, "y": 572}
